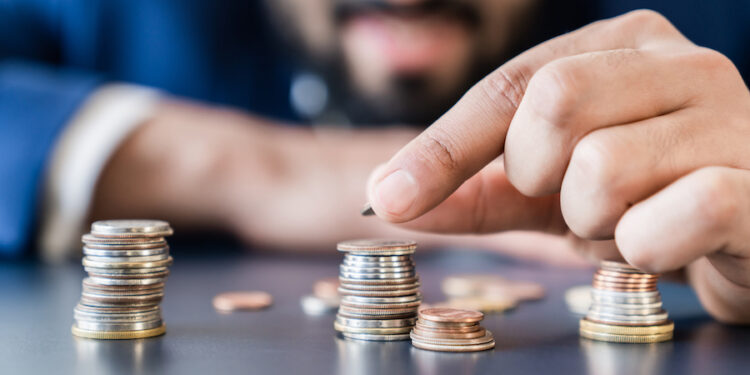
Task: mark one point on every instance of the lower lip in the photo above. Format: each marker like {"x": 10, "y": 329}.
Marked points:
{"x": 406, "y": 43}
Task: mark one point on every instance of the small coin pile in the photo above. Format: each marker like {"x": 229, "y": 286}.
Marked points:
{"x": 379, "y": 290}
{"x": 127, "y": 263}
{"x": 451, "y": 330}
{"x": 625, "y": 307}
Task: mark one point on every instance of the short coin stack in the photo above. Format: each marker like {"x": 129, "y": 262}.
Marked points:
{"x": 379, "y": 290}
{"x": 625, "y": 307}
{"x": 451, "y": 330}
{"x": 127, "y": 262}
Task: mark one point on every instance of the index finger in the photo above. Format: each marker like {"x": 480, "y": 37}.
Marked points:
{"x": 472, "y": 133}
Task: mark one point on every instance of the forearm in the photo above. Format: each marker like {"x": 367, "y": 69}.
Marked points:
{"x": 177, "y": 166}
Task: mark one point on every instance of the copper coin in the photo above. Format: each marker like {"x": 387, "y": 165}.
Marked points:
{"x": 628, "y": 280}
{"x": 241, "y": 300}
{"x": 449, "y": 335}
{"x": 446, "y": 314}
{"x": 630, "y": 275}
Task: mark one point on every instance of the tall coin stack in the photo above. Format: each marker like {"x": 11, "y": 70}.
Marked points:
{"x": 451, "y": 330}
{"x": 379, "y": 290}
{"x": 126, "y": 262}
{"x": 625, "y": 307}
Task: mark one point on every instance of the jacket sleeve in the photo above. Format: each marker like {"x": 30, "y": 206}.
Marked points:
{"x": 36, "y": 100}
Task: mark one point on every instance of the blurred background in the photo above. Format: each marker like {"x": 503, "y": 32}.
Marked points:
{"x": 257, "y": 121}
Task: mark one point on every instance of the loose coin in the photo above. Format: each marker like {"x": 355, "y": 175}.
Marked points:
{"x": 232, "y": 301}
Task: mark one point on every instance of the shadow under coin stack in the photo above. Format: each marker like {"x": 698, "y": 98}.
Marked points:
{"x": 126, "y": 262}
{"x": 625, "y": 307}
{"x": 379, "y": 290}
{"x": 451, "y": 330}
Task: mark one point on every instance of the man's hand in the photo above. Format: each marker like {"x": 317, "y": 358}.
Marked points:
{"x": 623, "y": 129}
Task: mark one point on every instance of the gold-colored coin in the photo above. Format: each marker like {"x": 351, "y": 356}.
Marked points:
{"x": 632, "y": 339}
{"x": 121, "y": 335}
{"x": 374, "y": 331}
{"x": 626, "y": 330}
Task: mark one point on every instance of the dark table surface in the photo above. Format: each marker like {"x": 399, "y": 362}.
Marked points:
{"x": 536, "y": 338}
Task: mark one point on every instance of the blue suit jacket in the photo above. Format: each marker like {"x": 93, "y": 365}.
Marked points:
{"x": 53, "y": 53}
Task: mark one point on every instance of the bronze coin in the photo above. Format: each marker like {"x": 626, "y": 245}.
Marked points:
{"x": 446, "y": 314}
{"x": 232, "y": 301}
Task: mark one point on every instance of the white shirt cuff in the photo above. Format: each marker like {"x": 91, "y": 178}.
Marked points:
{"x": 93, "y": 134}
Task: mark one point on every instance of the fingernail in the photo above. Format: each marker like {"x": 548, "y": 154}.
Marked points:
{"x": 397, "y": 192}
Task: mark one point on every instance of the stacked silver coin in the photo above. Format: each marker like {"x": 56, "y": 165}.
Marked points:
{"x": 379, "y": 290}
{"x": 127, "y": 263}
{"x": 625, "y": 307}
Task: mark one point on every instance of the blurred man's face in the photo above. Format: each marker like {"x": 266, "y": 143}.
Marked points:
{"x": 402, "y": 60}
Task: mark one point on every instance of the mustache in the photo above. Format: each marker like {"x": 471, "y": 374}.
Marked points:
{"x": 460, "y": 10}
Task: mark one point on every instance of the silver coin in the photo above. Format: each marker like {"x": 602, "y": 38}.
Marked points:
{"x": 375, "y": 276}
{"x": 129, "y": 259}
{"x": 628, "y": 306}
{"x": 614, "y": 294}
{"x": 110, "y": 327}
{"x": 90, "y": 239}
{"x": 375, "y": 270}
{"x": 627, "y": 319}
{"x": 136, "y": 265}
{"x": 379, "y": 323}
{"x": 121, "y": 247}
{"x": 125, "y": 253}
{"x": 371, "y": 337}
{"x": 388, "y": 263}
{"x": 355, "y": 299}
{"x": 109, "y": 281}
{"x": 128, "y": 273}
{"x": 629, "y": 311}
{"x": 377, "y": 259}
{"x": 104, "y": 305}
{"x": 119, "y": 228}
{"x": 625, "y": 301}
{"x": 116, "y": 318}
{"x": 376, "y": 245}
{"x": 371, "y": 288}
{"x": 116, "y": 309}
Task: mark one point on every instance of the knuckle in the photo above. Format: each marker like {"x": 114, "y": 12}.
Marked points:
{"x": 437, "y": 148}
{"x": 552, "y": 92}
{"x": 505, "y": 87}
{"x": 592, "y": 194}
{"x": 715, "y": 202}
{"x": 646, "y": 18}
{"x": 713, "y": 61}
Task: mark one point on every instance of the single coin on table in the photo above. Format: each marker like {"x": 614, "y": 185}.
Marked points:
{"x": 242, "y": 300}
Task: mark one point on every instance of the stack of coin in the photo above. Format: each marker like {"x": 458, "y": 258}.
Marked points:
{"x": 379, "y": 290}
{"x": 625, "y": 307}
{"x": 451, "y": 330}
{"x": 127, "y": 262}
